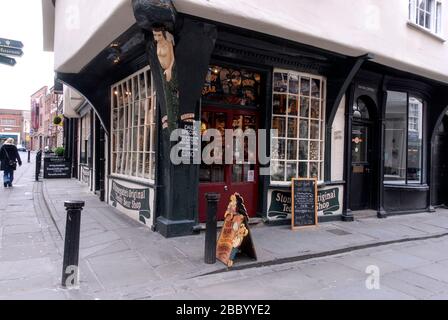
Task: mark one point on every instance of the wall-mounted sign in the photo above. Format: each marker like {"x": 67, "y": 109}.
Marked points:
{"x": 85, "y": 175}
{"x": 235, "y": 236}
{"x": 190, "y": 139}
{"x": 304, "y": 203}
{"x": 131, "y": 199}
{"x": 329, "y": 203}
{"x": 365, "y": 88}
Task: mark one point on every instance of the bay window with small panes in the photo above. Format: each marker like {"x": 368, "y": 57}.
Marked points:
{"x": 298, "y": 116}
{"x": 133, "y": 127}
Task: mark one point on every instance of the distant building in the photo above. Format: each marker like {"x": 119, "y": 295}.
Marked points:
{"x": 46, "y": 104}
{"x": 11, "y": 126}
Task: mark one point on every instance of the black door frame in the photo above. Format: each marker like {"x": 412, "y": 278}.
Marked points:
{"x": 371, "y": 137}
{"x": 376, "y": 127}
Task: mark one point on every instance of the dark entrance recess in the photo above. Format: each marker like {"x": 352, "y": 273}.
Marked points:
{"x": 362, "y": 149}
{"x": 440, "y": 164}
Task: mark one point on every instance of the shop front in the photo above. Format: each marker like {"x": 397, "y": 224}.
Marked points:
{"x": 287, "y": 100}
{"x": 393, "y": 119}
{"x": 133, "y": 145}
{"x": 265, "y": 110}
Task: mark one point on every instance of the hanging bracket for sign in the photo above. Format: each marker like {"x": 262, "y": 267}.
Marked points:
{"x": 304, "y": 203}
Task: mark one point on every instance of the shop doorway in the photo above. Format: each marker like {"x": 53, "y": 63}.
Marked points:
{"x": 439, "y": 167}
{"x": 227, "y": 179}
{"x": 362, "y": 161}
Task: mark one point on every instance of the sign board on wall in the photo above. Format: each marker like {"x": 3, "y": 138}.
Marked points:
{"x": 85, "y": 175}
{"x": 329, "y": 203}
{"x": 132, "y": 199}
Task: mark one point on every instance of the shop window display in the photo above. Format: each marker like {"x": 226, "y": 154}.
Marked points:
{"x": 298, "y": 117}
{"x": 133, "y": 123}
{"x": 232, "y": 86}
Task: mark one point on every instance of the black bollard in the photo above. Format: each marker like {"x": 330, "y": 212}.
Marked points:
{"x": 29, "y": 156}
{"x": 71, "y": 248}
{"x": 212, "y": 227}
{"x": 38, "y": 164}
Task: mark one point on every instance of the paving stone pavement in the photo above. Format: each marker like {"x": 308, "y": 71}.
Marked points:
{"x": 122, "y": 259}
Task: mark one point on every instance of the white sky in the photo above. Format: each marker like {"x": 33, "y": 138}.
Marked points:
{"x": 22, "y": 20}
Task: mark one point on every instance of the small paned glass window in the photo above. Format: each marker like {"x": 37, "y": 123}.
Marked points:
{"x": 133, "y": 127}
{"x": 298, "y": 118}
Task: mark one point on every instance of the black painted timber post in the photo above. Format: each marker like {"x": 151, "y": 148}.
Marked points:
{"x": 71, "y": 248}
{"x": 38, "y": 164}
{"x": 212, "y": 227}
{"x": 29, "y": 156}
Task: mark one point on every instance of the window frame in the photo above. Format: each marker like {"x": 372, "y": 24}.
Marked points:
{"x": 406, "y": 183}
{"x": 436, "y": 16}
{"x": 322, "y": 121}
{"x": 133, "y": 158}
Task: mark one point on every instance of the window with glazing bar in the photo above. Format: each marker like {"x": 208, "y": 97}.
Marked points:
{"x": 299, "y": 117}
{"x": 426, "y": 14}
{"x": 133, "y": 127}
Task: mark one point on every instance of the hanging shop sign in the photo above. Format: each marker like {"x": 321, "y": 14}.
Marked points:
{"x": 131, "y": 199}
{"x": 304, "y": 203}
{"x": 235, "y": 236}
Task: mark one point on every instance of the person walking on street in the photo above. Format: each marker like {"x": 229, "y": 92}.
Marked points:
{"x": 9, "y": 157}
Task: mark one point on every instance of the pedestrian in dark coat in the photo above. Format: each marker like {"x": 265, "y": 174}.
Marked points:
{"x": 9, "y": 157}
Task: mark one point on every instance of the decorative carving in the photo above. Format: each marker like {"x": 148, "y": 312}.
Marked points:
{"x": 149, "y": 12}
{"x": 165, "y": 50}
{"x": 159, "y": 17}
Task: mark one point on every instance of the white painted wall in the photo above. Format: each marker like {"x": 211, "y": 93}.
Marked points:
{"x": 352, "y": 27}
{"x": 337, "y": 145}
{"x": 83, "y": 28}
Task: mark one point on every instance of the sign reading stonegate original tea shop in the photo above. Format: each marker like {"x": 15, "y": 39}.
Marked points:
{"x": 131, "y": 199}
{"x": 329, "y": 203}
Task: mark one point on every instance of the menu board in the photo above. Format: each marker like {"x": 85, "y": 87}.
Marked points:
{"x": 304, "y": 203}
{"x": 57, "y": 168}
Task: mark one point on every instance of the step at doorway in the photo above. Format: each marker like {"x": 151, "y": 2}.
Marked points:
{"x": 365, "y": 214}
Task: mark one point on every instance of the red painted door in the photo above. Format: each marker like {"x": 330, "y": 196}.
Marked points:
{"x": 227, "y": 179}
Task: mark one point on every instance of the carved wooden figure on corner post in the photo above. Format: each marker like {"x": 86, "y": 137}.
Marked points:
{"x": 165, "y": 53}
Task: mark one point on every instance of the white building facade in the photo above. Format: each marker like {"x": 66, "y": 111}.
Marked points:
{"x": 355, "y": 89}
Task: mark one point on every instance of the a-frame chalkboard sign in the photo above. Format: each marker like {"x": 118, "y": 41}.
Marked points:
{"x": 304, "y": 203}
